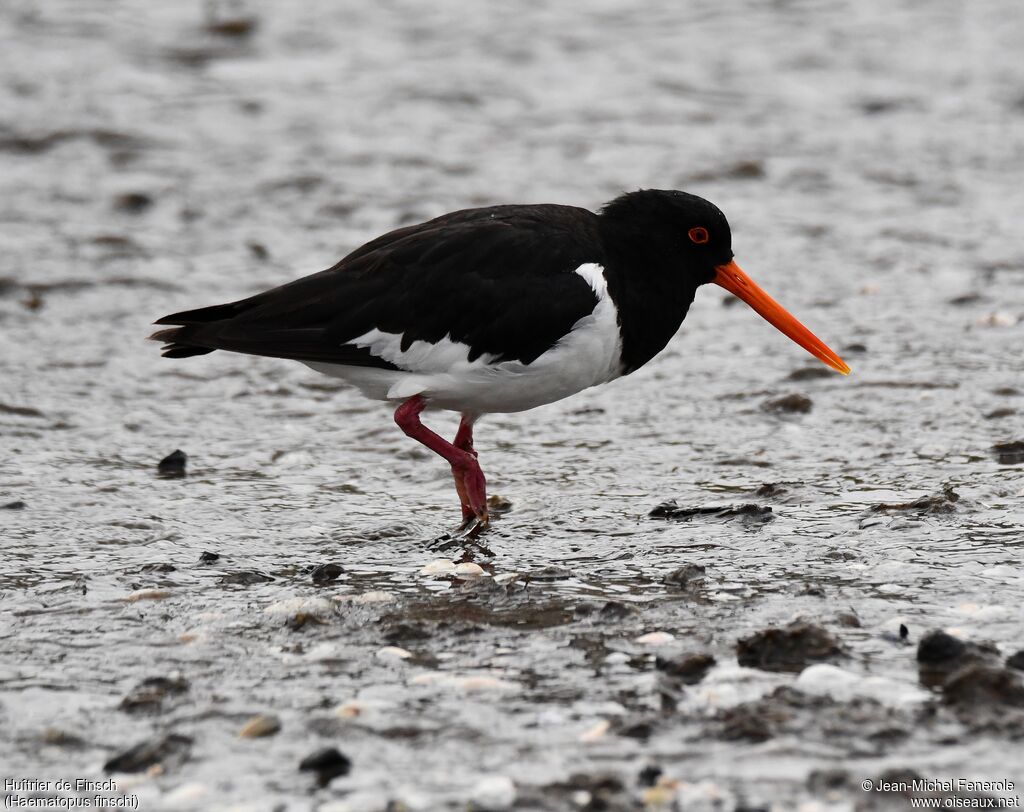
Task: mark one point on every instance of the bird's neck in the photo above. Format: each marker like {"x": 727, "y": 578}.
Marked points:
{"x": 652, "y": 294}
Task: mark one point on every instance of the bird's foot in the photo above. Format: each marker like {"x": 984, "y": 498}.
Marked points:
{"x": 472, "y": 526}
{"x": 466, "y": 536}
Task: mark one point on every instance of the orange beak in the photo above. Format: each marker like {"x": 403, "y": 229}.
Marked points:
{"x": 739, "y": 284}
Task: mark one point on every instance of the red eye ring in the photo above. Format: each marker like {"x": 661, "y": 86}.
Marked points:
{"x": 699, "y": 235}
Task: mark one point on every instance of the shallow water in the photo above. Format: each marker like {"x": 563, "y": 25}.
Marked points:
{"x": 869, "y": 158}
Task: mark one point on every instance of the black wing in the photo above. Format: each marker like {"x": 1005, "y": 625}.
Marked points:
{"x": 500, "y": 280}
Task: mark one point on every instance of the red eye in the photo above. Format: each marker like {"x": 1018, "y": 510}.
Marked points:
{"x": 699, "y": 235}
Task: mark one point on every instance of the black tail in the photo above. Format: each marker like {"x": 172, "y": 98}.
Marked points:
{"x": 176, "y": 339}
{"x": 173, "y": 347}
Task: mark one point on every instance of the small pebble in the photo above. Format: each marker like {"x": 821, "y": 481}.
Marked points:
{"x": 133, "y": 202}
{"x": 470, "y": 684}
{"x": 996, "y": 320}
{"x": 328, "y": 763}
{"x": 689, "y": 577}
{"x": 147, "y": 595}
{"x": 442, "y": 566}
{"x": 393, "y": 653}
{"x": 245, "y": 578}
{"x": 326, "y": 573}
{"x": 319, "y": 608}
{"x": 260, "y": 726}
{"x": 149, "y": 695}
{"x": 649, "y": 775}
{"x": 233, "y": 26}
{"x": 469, "y": 570}
{"x": 173, "y": 465}
{"x": 494, "y": 793}
{"x": 848, "y": 619}
{"x": 161, "y": 752}
{"x": 16, "y": 505}
{"x": 596, "y": 732}
{"x": 350, "y": 710}
{"x": 655, "y": 639}
{"x": 791, "y": 404}
{"x": 207, "y": 557}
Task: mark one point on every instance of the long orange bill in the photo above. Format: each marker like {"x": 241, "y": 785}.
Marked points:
{"x": 732, "y": 278}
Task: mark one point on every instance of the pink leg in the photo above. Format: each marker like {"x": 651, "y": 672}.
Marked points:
{"x": 465, "y": 469}
{"x": 464, "y": 441}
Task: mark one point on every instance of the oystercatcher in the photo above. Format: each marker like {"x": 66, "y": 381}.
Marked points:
{"x": 496, "y": 309}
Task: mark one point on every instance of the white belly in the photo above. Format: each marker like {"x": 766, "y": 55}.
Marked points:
{"x": 587, "y": 355}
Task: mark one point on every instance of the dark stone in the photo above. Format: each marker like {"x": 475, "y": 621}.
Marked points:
{"x": 149, "y": 695}
{"x": 689, "y": 577}
{"x": 1016, "y": 660}
{"x": 168, "y": 751}
{"x": 788, "y": 404}
{"x": 848, "y": 619}
{"x": 904, "y": 632}
{"x": 1011, "y": 453}
{"x": 405, "y": 632}
{"x": 20, "y": 411}
{"x": 328, "y": 763}
{"x": 158, "y": 567}
{"x": 687, "y": 668}
{"x": 649, "y": 775}
{"x": 748, "y": 513}
{"x": 770, "y": 489}
{"x": 826, "y": 780}
{"x": 897, "y": 777}
{"x": 939, "y": 647}
{"x": 245, "y": 578}
{"x": 607, "y": 793}
{"x": 609, "y": 610}
{"x": 810, "y": 373}
{"x": 939, "y": 503}
{"x": 998, "y": 414}
{"x": 207, "y": 557}
{"x": 787, "y": 711}
{"x": 978, "y": 684}
{"x": 613, "y": 610}
{"x": 874, "y": 107}
{"x": 173, "y": 465}
{"x": 940, "y": 655}
{"x": 16, "y": 505}
{"x": 788, "y": 649}
{"x": 133, "y": 202}
{"x": 637, "y": 728}
{"x": 326, "y": 573}
{"x": 549, "y": 574}
{"x": 235, "y": 27}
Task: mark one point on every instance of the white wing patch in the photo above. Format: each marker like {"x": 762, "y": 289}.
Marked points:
{"x": 589, "y": 354}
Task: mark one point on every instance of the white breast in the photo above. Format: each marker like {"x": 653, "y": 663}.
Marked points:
{"x": 589, "y": 354}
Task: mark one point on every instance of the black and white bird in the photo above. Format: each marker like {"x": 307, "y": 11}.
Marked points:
{"x": 496, "y": 309}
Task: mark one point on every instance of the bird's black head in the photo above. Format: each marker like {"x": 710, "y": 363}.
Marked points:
{"x": 679, "y": 242}
{"x": 682, "y": 229}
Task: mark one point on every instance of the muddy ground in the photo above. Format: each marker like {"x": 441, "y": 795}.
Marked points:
{"x": 716, "y": 655}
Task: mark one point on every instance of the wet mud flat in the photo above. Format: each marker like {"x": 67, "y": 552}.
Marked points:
{"x": 731, "y": 581}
